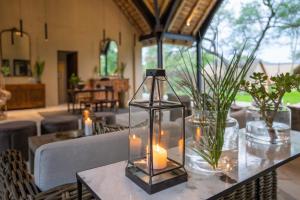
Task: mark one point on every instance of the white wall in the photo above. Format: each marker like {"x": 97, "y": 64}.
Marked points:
{"x": 73, "y": 25}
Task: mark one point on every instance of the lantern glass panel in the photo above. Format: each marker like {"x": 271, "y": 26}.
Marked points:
{"x": 139, "y": 123}
{"x": 156, "y": 144}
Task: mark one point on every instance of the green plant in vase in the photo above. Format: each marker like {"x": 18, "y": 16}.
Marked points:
{"x": 268, "y": 98}
{"x": 39, "y": 70}
{"x": 5, "y": 70}
{"x": 220, "y": 84}
{"x": 74, "y": 80}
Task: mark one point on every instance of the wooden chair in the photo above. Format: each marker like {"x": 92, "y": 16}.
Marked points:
{"x": 109, "y": 101}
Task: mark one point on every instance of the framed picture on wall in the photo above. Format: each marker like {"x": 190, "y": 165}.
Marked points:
{"x": 21, "y": 68}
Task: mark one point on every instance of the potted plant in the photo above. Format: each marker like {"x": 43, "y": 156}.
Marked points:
{"x": 74, "y": 81}
{"x": 213, "y": 132}
{"x": 39, "y": 67}
{"x": 5, "y": 70}
{"x": 269, "y": 120}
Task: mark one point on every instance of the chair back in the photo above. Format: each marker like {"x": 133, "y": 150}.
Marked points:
{"x": 15, "y": 181}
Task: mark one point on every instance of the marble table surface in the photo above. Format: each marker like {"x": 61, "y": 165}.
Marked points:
{"x": 110, "y": 182}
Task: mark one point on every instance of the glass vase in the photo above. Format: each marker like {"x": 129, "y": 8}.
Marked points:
{"x": 268, "y": 126}
{"x": 212, "y": 142}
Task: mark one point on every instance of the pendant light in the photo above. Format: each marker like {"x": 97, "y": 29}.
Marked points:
{"x": 120, "y": 38}
{"x": 103, "y": 35}
{"x": 21, "y": 20}
{"x": 104, "y": 21}
{"x": 120, "y": 32}
{"x": 45, "y": 24}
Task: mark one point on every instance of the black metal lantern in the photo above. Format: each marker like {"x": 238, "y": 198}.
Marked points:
{"x": 156, "y": 144}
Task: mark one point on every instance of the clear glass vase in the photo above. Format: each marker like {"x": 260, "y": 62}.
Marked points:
{"x": 211, "y": 130}
{"x": 268, "y": 126}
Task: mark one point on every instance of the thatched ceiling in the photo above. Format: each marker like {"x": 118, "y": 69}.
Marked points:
{"x": 177, "y": 20}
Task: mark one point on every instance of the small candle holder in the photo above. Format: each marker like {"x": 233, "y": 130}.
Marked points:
{"x": 88, "y": 121}
{"x": 156, "y": 146}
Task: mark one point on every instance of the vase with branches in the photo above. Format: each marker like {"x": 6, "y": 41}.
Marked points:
{"x": 39, "y": 70}
{"x": 269, "y": 120}
{"x": 220, "y": 84}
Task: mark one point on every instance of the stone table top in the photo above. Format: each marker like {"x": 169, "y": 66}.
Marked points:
{"x": 254, "y": 159}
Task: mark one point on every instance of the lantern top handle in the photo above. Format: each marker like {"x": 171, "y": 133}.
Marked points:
{"x": 155, "y": 72}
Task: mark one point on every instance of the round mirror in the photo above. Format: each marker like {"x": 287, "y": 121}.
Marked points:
{"x": 109, "y": 58}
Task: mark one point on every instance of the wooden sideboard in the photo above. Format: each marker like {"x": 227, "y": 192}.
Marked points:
{"x": 119, "y": 85}
{"x": 25, "y": 96}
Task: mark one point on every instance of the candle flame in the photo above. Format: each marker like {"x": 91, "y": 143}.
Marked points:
{"x": 133, "y": 136}
{"x": 157, "y": 148}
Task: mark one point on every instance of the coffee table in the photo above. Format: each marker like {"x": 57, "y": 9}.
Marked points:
{"x": 36, "y": 141}
{"x": 254, "y": 174}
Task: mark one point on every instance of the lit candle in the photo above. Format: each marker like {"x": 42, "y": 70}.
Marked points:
{"x": 86, "y": 114}
{"x": 159, "y": 157}
{"x": 180, "y": 145}
{"x": 135, "y": 146}
{"x": 198, "y": 134}
{"x": 88, "y": 127}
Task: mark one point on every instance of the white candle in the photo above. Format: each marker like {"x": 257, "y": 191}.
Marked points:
{"x": 198, "y": 134}
{"x": 159, "y": 157}
{"x": 135, "y": 146}
{"x": 88, "y": 127}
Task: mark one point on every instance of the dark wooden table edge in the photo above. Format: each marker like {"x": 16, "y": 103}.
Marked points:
{"x": 81, "y": 182}
{"x": 252, "y": 178}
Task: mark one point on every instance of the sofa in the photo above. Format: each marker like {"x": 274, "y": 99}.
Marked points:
{"x": 57, "y": 163}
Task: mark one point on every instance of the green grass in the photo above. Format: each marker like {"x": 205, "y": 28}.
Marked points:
{"x": 291, "y": 98}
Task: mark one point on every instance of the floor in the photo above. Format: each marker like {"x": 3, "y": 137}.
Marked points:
{"x": 288, "y": 175}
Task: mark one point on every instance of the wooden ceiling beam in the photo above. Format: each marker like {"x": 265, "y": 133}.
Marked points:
{"x": 189, "y": 15}
{"x": 149, "y": 5}
{"x": 163, "y": 7}
{"x": 146, "y": 13}
{"x": 168, "y": 15}
{"x": 157, "y": 18}
{"x": 130, "y": 18}
{"x": 168, "y": 35}
{"x": 175, "y": 36}
{"x": 203, "y": 25}
{"x": 177, "y": 12}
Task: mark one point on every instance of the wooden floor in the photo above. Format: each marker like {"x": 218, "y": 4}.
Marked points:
{"x": 288, "y": 175}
